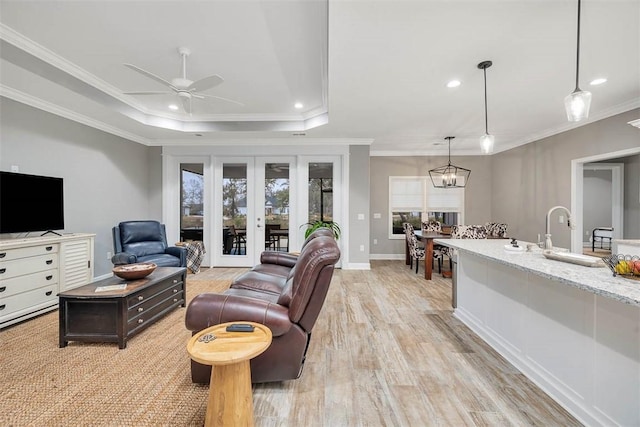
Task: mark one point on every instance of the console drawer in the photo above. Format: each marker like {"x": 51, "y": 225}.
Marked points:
{"x": 17, "y": 253}
{"x": 152, "y": 301}
{"x": 47, "y": 294}
{"x": 16, "y": 285}
{"x": 150, "y": 292}
{"x": 141, "y": 319}
{"x": 18, "y": 267}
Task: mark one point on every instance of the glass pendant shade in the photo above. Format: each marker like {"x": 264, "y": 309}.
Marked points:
{"x": 486, "y": 143}
{"x": 577, "y": 105}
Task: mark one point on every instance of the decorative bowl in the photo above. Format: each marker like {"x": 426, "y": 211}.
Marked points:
{"x": 624, "y": 265}
{"x": 134, "y": 271}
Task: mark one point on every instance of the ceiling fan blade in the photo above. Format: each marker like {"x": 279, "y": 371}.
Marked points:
{"x": 150, "y": 75}
{"x": 186, "y": 103}
{"x": 205, "y": 83}
{"x": 203, "y": 95}
{"x": 148, "y": 93}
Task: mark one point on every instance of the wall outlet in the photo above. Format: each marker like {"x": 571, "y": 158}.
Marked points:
{"x": 361, "y": 248}
{"x": 377, "y": 216}
{"x": 361, "y": 217}
{"x": 561, "y": 219}
{"x": 109, "y": 256}
{"x": 375, "y": 241}
{"x": 15, "y": 168}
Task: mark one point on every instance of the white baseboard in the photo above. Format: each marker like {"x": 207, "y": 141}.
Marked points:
{"x": 357, "y": 266}
{"x": 386, "y": 256}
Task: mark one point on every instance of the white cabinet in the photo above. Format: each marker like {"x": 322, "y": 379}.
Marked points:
{"x": 34, "y": 270}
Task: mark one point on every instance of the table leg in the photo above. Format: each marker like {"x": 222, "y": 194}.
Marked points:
{"x": 428, "y": 259}
{"x": 230, "y": 397}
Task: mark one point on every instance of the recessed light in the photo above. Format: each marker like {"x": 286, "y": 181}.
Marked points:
{"x": 599, "y": 81}
{"x": 453, "y": 83}
{"x": 298, "y": 105}
{"x": 197, "y": 134}
{"x": 173, "y": 107}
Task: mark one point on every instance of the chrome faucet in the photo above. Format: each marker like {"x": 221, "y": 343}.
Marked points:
{"x": 547, "y": 242}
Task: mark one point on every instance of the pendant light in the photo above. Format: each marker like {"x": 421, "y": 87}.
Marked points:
{"x": 449, "y": 176}
{"x": 486, "y": 140}
{"x": 578, "y": 102}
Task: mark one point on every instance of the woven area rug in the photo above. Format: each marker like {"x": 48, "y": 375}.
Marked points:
{"x": 93, "y": 384}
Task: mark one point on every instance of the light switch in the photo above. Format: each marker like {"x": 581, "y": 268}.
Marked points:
{"x": 377, "y": 216}
{"x": 360, "y": 216}
{"x": 561, "y": 219}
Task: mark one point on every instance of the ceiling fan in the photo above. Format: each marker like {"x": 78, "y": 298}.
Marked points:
{"x": 186, "y": 89}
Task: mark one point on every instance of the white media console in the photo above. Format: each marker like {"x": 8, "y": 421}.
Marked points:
{"x": 34, "y": 270}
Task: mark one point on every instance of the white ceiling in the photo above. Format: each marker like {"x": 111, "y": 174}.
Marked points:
{"x": 376, "y": 70}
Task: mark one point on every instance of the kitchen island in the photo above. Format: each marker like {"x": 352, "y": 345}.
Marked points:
{"x": 573, "y": 330}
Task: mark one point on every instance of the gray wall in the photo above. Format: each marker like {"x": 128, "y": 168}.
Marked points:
{"x": 359, "y": 204}
{"x": 530, "y": 179}
{"x": 632, "y": 195}
{"x": 107, "y": 179}
{"x": 597, "y": 201}
{"x": 477, "y": 200}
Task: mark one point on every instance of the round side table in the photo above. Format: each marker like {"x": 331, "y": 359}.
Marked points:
{"x": 230, "y": 398}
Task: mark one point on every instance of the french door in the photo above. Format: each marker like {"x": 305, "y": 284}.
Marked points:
{"x": 253, "y": 210}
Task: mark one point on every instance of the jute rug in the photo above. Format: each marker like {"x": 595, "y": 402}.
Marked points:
{"x": 93, "y": 384}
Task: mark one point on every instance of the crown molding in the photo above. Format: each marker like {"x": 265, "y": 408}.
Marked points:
{"x": 246, "y": 142}
{"x": 49, "y": 107}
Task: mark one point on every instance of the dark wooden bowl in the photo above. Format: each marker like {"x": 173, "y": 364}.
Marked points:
{"x": 134, "y": 271}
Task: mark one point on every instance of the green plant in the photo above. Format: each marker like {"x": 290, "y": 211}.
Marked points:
{"x": 313, "y": 226}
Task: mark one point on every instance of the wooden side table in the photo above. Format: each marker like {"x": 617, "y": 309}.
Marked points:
{"x": 230, "y": 398}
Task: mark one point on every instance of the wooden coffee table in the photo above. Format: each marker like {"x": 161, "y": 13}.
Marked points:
{"x": 116, "y": 315}
{"x": 230, "y": 398}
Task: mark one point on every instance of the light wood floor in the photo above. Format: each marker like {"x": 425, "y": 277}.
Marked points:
{"x": 386, "y": 351}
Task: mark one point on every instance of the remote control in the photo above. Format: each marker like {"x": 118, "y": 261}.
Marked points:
{"x": 240, "y": 327}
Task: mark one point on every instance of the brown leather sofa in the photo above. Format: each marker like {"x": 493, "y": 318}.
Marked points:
{"x": 288, "y": 304}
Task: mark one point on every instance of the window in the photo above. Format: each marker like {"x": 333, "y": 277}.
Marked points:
{"x": 413, "y": 199}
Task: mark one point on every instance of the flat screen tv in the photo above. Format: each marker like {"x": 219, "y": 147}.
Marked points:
{"x": 30, "y": 203}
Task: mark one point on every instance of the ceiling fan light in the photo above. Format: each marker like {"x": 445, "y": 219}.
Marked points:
{"x": 486, "y": 143}
{"x": 577, "y": 105}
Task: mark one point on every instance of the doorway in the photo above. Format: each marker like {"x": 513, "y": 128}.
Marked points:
{"x": 253, "y": 208}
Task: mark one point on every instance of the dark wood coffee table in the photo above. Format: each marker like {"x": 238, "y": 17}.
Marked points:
{"x": 116, "y": 315}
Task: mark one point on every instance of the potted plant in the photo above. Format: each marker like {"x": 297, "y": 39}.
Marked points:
{"x": 313, "y": 226}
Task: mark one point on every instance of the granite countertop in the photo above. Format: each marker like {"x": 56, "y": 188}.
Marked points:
{"x": 598, "y": 280}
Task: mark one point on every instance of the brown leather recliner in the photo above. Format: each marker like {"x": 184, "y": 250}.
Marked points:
{"x": 289, "y": 306}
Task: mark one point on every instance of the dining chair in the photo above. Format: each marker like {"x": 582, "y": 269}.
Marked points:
{"x": 418, "y": 252}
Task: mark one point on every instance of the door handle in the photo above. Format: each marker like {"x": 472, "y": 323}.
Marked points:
{"x": 259, "y": 226}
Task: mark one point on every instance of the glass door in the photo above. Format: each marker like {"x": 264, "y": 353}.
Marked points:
{"x": 275, "y": 181}
{"x": 234, "y": 212}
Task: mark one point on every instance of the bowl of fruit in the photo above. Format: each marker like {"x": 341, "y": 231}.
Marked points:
{"x": 624, "y": 265}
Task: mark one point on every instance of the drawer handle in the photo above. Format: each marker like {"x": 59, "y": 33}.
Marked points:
{"x": 140, "y": 320}
{"x": 3, "y": 254}
{"x": 2, "y": 306}
{"x": 2, "y": 270}
{"x": 175, "y": 300}
{"x": 49, "y": 248}
{"x": 175, "y": 291}
{"x": 49, "y": 293}
{"x": 175, "y": 281}
{"x": 2, "y": 289}
{"x": 49, "y": 261}
{"x": 140, "y": 309}
{"x": 140, "y": 298}
{"x": 49, "y": 277}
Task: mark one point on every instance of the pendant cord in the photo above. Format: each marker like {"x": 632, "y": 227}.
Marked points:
{"x": 578, "y": 50}
{"x": 486, "y": 115}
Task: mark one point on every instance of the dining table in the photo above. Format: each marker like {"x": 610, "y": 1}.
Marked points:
{"x": 427, "y": 238}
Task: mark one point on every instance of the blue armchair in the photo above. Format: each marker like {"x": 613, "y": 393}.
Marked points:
{"x": 145, "y": 241}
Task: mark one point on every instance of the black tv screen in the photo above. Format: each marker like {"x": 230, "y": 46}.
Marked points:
{"x": 30, "y": 203}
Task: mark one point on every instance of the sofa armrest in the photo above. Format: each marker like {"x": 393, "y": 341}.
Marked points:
{"x": 211, "y": 309}
{"x": 278, "y": 258}
{"x": 178, "y": 253}
{"x": 124, "y": 258}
